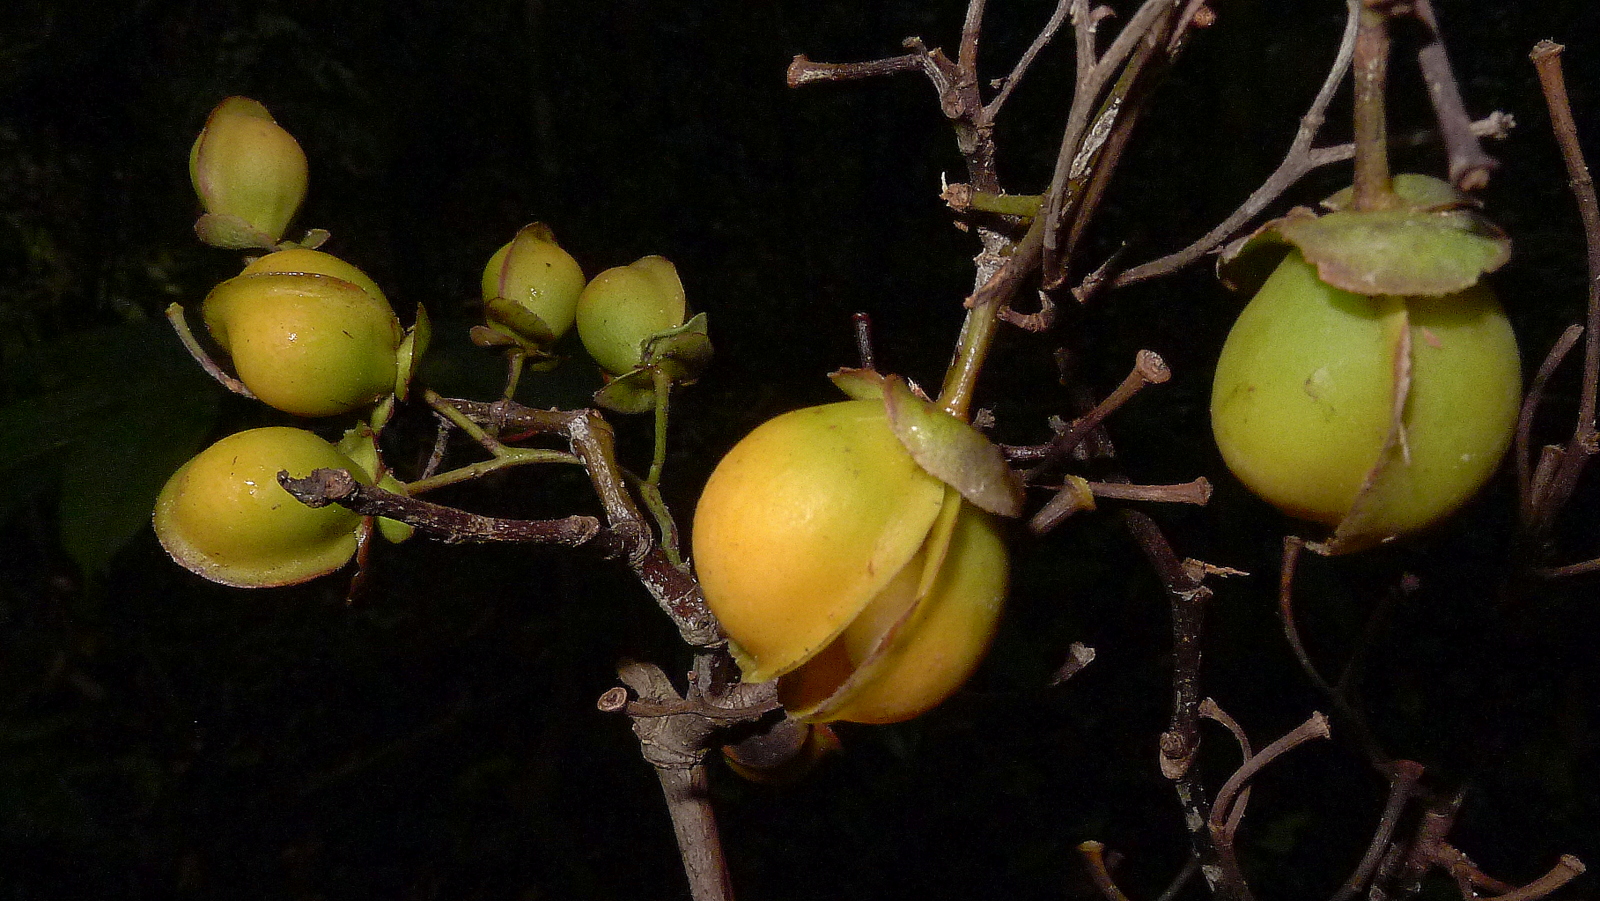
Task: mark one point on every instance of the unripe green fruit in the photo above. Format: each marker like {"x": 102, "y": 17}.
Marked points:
{"x": 224, "y": 516}
{"x": 625, "y": 305}
{"x": 834, "y": 561}
{"x": 308, "y": 333}
{"x": 250, "y": 175}
{"x": 535, "y": 273}
{"x": 1306, "y": 390}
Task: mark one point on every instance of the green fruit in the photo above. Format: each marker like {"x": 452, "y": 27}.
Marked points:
{"x": 224, "y": 516}
{"x": 308, "y": 333}
{"x": 250, "y": 175}
{"x": 836, "y": 563}
{"x": 624, "y": 306}
{"x": 533, "y": 272}
{"x": 1307, "y": 390}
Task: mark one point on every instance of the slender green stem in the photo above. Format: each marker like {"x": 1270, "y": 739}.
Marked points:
{"x": 461, "y": 421}
{"x": 502, "y": 456}
{"x": 651, "y": 495}
{"x": 180, "y": 324}
{"x": 977, "y": 332}
{"x": 516, "y": 358}
{"x": 1024, "y": 205}
{"x": 511, "y": 456}
{"x": 977, "y": 335}
{"x": 658, "y": 459}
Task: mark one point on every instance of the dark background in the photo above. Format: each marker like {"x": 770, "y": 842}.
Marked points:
{"x": 165, "y": 738}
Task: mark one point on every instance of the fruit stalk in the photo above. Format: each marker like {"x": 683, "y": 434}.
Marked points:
{"x": 1374, "y": 189}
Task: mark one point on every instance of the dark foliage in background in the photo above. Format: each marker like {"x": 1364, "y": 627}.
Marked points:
{"x": 161, "y": 737}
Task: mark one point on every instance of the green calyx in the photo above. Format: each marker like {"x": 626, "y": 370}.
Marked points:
{"x": 1435, "y": 243}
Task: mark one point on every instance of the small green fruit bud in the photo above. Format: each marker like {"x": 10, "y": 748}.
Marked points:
{"x": 250, "y": 175}
{"x": 625, "y": 306}
{"x": 540, "y": 278}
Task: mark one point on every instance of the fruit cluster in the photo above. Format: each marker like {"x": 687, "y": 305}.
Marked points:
{"x": 312, "y": 335}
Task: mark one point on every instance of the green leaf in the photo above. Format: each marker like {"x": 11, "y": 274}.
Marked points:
{"x": 131, "y": 406}
{"x": 109, "y": 482}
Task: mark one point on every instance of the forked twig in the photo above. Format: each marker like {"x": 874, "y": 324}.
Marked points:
{"x": 1545, "y": 497}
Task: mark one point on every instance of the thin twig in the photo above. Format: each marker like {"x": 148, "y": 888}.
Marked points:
{"x": 1569, "y": 570}
{"x": 802, "y": 71}
{"x": 1095, "y": 115}
{"x": 1496, "y": 125}
{"x": 1565, "y": 870}
{"x": 1315, "y": 727}
{"x": 180, "y": 324}
{"x": 1094, "y": 859}
{"x": 1213, "y": 711}
{"x": 1223, "y": 823}
{"x": 1009, "y": 84}
{"x": 1469, "y": 165}
{"x": 1148, "y": 369}
{"x": 1296, "y": 163}
{"x": 1403, "y": 782}
{"x": 1547, "y": 60}
{"x": 593, "y": 444}
{"x": 1584, "y": 443}
{"x": 1530, "y": 406}
{"x": 1176, "y": 886}
{"x": 1196, "y": 492}
{"x": 1292, "y": 548}
{"x": 337, "y": 486}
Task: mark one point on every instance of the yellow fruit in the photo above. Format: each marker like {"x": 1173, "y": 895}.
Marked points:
{"x": 250, "y": 175}
{"x": 315, "y": 339}
{"x": 1306, "y": 390}
{"x": 835, "y": 563}
{"x": 625, "y": 305}
{"x": 224, "y": 516}
{"x": 315, "y": 262}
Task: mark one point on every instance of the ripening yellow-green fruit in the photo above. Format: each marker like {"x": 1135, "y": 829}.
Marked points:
{"x": 317, "y": 262}
{"x": 1374, "y": 415}
{"x": 533, "y": 272}
{"x": 840, "y": 566}
{"x": 250, "y": 175}
{"x": 625, "y": 305}
{"x": 224, "y": 516}
{"x": 307, "y": 332}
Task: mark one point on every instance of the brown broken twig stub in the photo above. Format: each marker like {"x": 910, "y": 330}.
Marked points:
{"x": 337, "y": 486}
